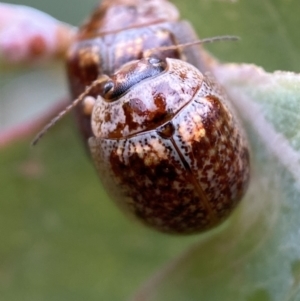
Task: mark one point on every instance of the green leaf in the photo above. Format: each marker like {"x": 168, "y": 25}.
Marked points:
{"x": 268, "y": 30}
{"x": 61, "y": 238}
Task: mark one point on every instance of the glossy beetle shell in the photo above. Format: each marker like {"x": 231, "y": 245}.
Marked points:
{"x": 120, "y": 31}
{"x": 169, "y": 150}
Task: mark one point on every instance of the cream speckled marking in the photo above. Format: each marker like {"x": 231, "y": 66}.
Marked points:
{"x": 89, "y": 56}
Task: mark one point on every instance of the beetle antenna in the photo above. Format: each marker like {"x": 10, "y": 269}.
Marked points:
{"x": 60, "y": 115}
{"x": 197, "y": 42}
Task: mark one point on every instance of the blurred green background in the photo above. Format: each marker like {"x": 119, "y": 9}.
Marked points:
{"x": 60, "y": 237}
{"x": 268, "y": 29}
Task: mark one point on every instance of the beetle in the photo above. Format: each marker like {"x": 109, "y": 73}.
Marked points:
{"x": 121, "y": 31}
{"x": 164, "y": 138}
{"x": 167, "y": 147}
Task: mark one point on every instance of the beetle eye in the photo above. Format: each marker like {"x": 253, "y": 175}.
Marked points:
{"x": 155, "y": 62}
{"x": 107, "y": 87}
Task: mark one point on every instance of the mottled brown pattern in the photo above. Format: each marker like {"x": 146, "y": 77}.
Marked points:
{"x": 168, "y": 149}
{"x": 184, "y": 176}
{"x": 117, "y": 33}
